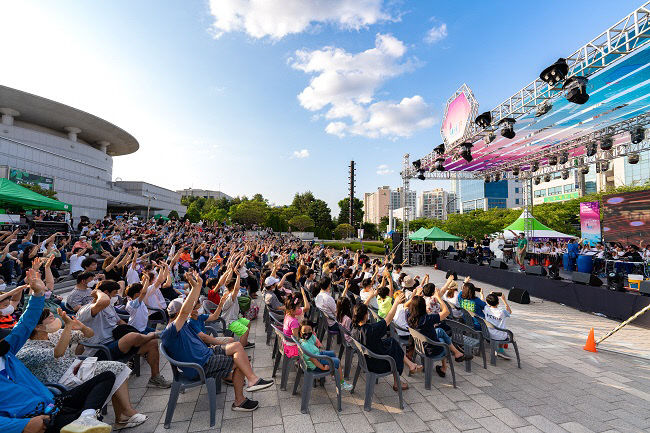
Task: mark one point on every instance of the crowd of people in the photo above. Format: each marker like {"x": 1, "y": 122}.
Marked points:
{"x": 141, "y": 284}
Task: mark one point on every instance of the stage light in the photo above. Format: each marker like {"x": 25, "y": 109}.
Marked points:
{"x": 489, "y": 138}
{"x": 440, "y": 164}
{"x": 537, "y": 180}
{"x": 552, "y": 160}
{"x": 564, "y": 158}
{"x": 421, "y": 176}
{"x": 534, "y": 166}
{"x": 565, "y": 174}
{"x": 515, "y": 171}
{"x": 417, "y": 164}
{"x": 466, "y": 151}
{"x": 604, "y": 166}
{"x": 497, "y": 177}
{"x": 606, "y": 143}
{"x": 543, "y": 108}
{"x": 507, "y": 127}
{"x": 637, "y": 135}
{"x": 487, "y": 178}
{"x": 484, "y": 120}
{"x": 555, "y": 73}
{"x": 597, "y": 167}
{"x": 591, "y": 149}
{"x": 547, "y": 178}
{"x": 633, "y": 158}
{"x": 585, "y": 169}
{"x": 576, "y": 90}
{"x": 440, "y": 149}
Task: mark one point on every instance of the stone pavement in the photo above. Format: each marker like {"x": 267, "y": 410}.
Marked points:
{"x": 560, "y": 388}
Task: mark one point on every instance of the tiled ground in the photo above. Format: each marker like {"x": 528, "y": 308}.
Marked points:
{"x": 560, "y": 388}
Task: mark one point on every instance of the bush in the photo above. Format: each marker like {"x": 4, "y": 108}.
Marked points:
{"x": 368, "y": 247}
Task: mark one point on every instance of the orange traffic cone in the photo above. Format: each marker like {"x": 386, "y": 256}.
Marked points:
{"x": 590, "y": 346}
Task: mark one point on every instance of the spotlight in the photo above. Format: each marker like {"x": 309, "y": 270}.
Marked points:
{"x": 637, "y": 135}
{"x": 564, "y": 158}
{"x": 466, "y": 151}
{"x": 497, "y": 177}
{"x": 591, "y": 149}
{"x": 576, "y": 90}
{"x": 633, "y": 158}
{"x": 552, "y": 160}
{"x": 440, "y": 164}
{"x": 537, "y": 180}
{"x": 440, "y": 149}
{"x": 484, "y": 120}
{"x": 604, "y": 166}
{"x": 487, "y": 178}
{"x": 547, "y": 178}
{"x": 417, "y": 164}
{"x": 421, "y": 176}
{"x": 597, "y": 167}
{"x": 534, "y": 166}
{"x": 606, "y": 143}
{"x": 489, "y": 138}
{"x": 507, "y": 127}
{"x": 543, "y": 108}
{"x": 565, "y": 174}
{"x": 555, "y": 73}
{"x": 515, "y": 171}
{"x": 585, "y": 169}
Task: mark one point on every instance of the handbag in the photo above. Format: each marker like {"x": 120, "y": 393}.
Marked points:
{"x": 79, "y": 372}
{"x": 121, "y": 330}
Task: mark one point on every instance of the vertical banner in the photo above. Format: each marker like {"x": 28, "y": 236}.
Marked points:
{"x": 590, "y": 222}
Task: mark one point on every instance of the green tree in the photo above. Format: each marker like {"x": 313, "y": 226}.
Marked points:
{"x": 194, "y": 211}
{"x": 173, "y": 215}
{"x": 42, "y": 191}
{"x": 302, "y": 201}
{"x": 249, "y": 212}
{"x": 383, "y": 224}
{"x": 276, "y": 221}
{"x": 320, "y": 213}
{"x": 370, "y": 231}
{"x": 301, "y": 222}
{"x": 224, "y": 203}
{"x": 215, "y": 214}
{"x": 188, "y": 200}
{"x": 343, "y": 231}
{"x": 259, "y": 197}
{"x": 357, "y": 210}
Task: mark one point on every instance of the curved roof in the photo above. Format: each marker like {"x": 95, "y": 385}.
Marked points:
{"x": 54, "y": 115}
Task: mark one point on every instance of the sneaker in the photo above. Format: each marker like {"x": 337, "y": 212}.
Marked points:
{"x": 246, "y": 406}
{"x": 260, "y": 384}
{"x": 502, "y": 354}
{"x": 346, "y": 386}
{"x": 87, "y": 423}
{"x": 159, "y": 382}
{"x": 249, "y": 345}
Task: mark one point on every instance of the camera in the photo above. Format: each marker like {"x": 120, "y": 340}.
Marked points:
{"x": 497, "y": 294}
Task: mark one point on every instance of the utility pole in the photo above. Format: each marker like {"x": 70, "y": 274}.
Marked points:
{"x": 351, "y": 212}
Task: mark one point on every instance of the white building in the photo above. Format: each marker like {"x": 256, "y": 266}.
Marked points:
{"x": 434, "y": 204}
{"x": 205, "y": 193}
{"x": 411, "y": 201}
{"x": 65, "y": 149}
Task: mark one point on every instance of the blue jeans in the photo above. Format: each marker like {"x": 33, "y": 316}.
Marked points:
{"x": 442, "y": 336}
{"x": 332, "y": 355}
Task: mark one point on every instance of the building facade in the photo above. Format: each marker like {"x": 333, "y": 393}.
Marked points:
{"x": 410, "y": 201}
{"x": 376, "y": 205}
{"x": 61, "y": 148}
{"x": 205, "y": 193}
{"x": 477, "y": 194}
{"x": 434, "y": 204}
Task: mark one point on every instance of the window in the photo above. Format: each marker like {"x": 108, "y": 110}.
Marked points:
{"x": 555, "y": 190}
{"x": 516, "y": 190}
{"x": 516, "y": 201}
{"x": 540, "y": 193}
{"x": 569, "y": 188}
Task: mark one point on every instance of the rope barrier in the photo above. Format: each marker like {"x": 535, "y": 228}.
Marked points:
{"x": 610, "y": 333}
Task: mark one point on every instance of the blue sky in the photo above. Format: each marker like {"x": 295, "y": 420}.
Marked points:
{"x": 220, "y": 94}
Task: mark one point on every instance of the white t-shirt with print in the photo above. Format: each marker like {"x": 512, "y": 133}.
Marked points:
{"x": 496, "y": 316}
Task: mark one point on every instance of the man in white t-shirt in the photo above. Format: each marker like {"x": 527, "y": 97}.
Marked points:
{"x": 497, "y": 317}
{"x": 75, "y": 261}
{"x": 326, "y": 303}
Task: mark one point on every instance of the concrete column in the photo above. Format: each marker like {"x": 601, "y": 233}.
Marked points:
{"x": 8, "y": 115}
{"x": 103, "y": 145}
{"x": 72, "y": 132}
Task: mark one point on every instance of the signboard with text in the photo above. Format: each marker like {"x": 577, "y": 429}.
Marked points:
{"x": 23, "y": 177}
{"x": 590, "y": 222}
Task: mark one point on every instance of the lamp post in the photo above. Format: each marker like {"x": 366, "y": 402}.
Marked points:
{"x": 149, "y": 198}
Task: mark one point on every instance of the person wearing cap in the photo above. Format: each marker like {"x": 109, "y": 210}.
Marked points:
{"x": 81, "y": 243}
{"x": 409, "y": 284}
{"x": 181, "y": 340}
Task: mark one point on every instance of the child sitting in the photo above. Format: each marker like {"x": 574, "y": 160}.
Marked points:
{"x": 384, "y": 300}
{"x": 138, "y": 311}
{"x": 497, "y": 317}
{"x": 311, "y": 344}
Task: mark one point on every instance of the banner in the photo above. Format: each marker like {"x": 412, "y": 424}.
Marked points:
{"x": 23, "y": 177}
{"x": 590, "y": 222}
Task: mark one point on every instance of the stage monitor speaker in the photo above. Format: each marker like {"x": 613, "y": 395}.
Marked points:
{"x": 397, "y": 238}
{"x": 452, "y": 256}
{"x": 586, "y": 278}
{"x": 644, "y": 287}
{"x": 499, "y": 264}
{"x": 519, "y": 296}
{"x": 536, "y": 270}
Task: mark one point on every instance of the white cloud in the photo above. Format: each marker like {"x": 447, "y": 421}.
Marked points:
{"x": 278, "y": 18}
{"x": 345, "y": 85}
{"x": 436, "y": 33}
{"x": 383, "y": 170}
{"x": 301, "y": 154}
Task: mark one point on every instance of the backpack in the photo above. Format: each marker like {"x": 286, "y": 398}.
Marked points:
{"x": 251, "y": 313}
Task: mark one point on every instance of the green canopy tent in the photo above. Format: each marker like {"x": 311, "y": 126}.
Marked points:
{"x": 417, "y": 235}
{"x": 14, "y": 195}
{"x": 437, "y": 234}
{"x": 538, "y": 230}
{"x": 159, "y": 216}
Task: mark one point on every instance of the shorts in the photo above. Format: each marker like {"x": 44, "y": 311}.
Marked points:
{"x": 239, "y": 327}
{"x": 219, "y": 364}
{"x": 116, "y": 353}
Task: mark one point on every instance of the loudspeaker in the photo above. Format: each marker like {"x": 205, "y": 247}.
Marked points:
{"x": 397, "y": 238}
{"x": 586, "y": 278}
{"x": 452, "y": 256}
{"x": 536, "y": 270}
{"x": 499, "y": 264}
{"x": 644, "y": 287}
{"x": 519, "y": 296}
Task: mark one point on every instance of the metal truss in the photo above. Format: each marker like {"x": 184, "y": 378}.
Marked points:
{"x": 406, "y": 242}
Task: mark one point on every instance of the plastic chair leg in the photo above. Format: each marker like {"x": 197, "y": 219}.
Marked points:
{"x": 398, "y": 379}
{"x": 348, "y": 362}
{"x": 517, "y": 353}
{"x": 276, "y": 363}
{"x": 337, "y": 379}
{"x": 171, "y": 404}
{"x": 211, "y": 385}
{"x": 371, "y": 378}
{"x": 286, "y": 364}
{"x": 451, "y": 366}
{"x": 136, "y": 365}
{"x": 307, "y": 385}
{"x": 428, "y": 372}
{"x": 482, "y": 349}
{"x": 356, "y": 378}
{"x": 297, "y": 382}
{"x": 493, "y": 353}
{"x": 329, "y": 341}
{"x": 468, "y": 363}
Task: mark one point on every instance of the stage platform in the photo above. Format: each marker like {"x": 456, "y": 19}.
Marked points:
{"x": 614, "y": 305}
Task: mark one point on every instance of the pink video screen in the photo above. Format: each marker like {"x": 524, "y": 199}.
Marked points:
{"x": 626, "y": 217}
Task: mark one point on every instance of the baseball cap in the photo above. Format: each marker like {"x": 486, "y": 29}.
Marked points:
{"x": 174, "y": 306}
{"x": 270, "y": 281}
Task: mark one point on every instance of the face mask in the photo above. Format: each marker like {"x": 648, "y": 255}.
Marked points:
{"x": 4, "y": 347}
{"x": 91, "y": 284}
{"x": 307, "y": 335}
{"x": 53, "y": 326}
{"x": 3, "y": 287}
{"x": 9, "y": 309}
{"x": 114, "y": 300}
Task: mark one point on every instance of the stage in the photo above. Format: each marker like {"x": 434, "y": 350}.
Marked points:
{"x": 614, "y": 305}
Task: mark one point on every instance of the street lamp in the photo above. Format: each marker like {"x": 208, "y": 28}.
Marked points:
{"x": 149, "y": 198}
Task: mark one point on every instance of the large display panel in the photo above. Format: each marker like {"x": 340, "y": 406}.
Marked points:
{"x": 626, "y": 217}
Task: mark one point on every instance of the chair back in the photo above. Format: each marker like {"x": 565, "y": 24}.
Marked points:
{"x": 484, "y": 328}
{"x": 343, "y": 333}
{"x": 276, "y": 318}
{"x": 419, "y": 340}
{"x": 177, "y": 365}
{"x": 303, "y": 353}
{"x": 209, "y": 306}
{"x": 467, "y": 317}
{"x": 393, "y": 327}
{"x": 362, "y": 351}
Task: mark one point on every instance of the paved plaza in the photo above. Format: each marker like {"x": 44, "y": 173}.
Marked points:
{"x": 560, "y": 388}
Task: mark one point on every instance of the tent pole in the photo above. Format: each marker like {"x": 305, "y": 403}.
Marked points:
{"x": 528, "y": 208}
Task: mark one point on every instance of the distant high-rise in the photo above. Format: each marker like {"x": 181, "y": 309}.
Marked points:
{"x": 477, "y": 194}
{"x": 378, "y": 204}
{"x": 434, "y": 204}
